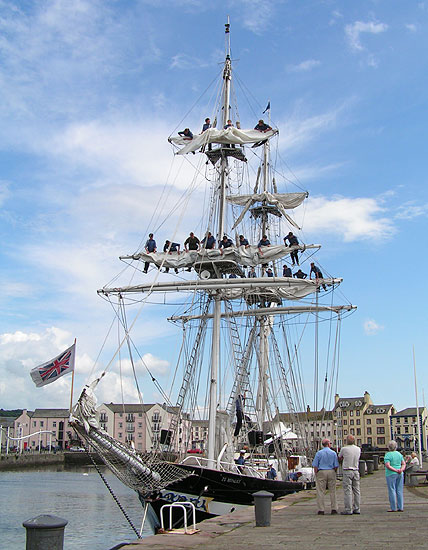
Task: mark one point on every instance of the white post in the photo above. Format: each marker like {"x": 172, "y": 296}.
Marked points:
{"x": 417, "y": 411}
{"x": 7, "y": 442}
{"x": 1, "y": 437}
{"x": 40, "y": 442}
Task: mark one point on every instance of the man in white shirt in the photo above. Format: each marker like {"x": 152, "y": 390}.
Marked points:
{"x": 350, "y": 458}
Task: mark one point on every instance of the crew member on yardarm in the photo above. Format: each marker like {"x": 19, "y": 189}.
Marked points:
{"x": 293, "y": 241}
{"x": 150, "y": 247}
{"x": 169, "y": 248}
{"x": 317, "y": 272}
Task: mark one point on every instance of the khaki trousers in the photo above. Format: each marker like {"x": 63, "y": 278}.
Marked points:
{"x": 326, "y": 479}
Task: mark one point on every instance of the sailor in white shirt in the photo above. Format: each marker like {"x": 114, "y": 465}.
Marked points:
{"x": 350, "y": 458}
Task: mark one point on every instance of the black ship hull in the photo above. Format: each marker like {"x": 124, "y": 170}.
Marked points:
{"x": 213, "y": 493}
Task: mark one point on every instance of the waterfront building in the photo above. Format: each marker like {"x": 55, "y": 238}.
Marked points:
{"x": 199, "y": 435}
{"x": 45, "y": 427}
{"x": 7, "y": 429}
{"x": 145, "y": 427}
{"x": 358, "y": 416}
{"x": 404, "y": 428}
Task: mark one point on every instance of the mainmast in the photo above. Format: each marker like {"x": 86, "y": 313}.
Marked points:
{"x": 215, "y": 346}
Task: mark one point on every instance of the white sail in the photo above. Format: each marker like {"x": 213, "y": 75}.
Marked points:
{"x": 229, "y": 136}
{"x": 249, "y": 257}
{"x": 283, "y": 201}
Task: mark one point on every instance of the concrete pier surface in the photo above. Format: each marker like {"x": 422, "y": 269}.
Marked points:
{"x": 296, "y": 525}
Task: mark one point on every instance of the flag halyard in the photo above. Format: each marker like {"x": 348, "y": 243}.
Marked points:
{"x": 55, "y": 368}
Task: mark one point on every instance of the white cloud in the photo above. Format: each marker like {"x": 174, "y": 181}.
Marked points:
{"x": 351, "y": 218}
{"x": 256, "y": 14}
{"x": 304, "y": 66}
{"x": 409, "y": 211}
{"x": 353, "y": 32}
{"x": 372, "y": 327}
{"x": 411, "y": 27}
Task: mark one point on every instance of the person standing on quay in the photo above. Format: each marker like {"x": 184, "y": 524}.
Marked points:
{"x": 394, "y": 468}
{"x": 325, "y": 464}
{"x": 350, "y": 457}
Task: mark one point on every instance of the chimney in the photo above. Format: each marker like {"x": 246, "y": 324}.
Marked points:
{"x": 336, "y": 398}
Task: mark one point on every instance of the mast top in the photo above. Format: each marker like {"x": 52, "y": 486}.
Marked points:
{"x": 227, "y": 37}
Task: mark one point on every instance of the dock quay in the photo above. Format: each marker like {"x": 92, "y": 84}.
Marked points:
{"x": 295, "y": 524}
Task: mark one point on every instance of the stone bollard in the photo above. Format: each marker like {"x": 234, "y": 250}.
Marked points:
{"x": 263, "y": 508}
{"x": 45, "y": 532}
{"x": 362, "y": 468}
{"x": 370, "y": 466}
{"x": 376, "y": 462}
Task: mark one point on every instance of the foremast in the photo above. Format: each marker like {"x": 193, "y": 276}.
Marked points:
{"x": 215, "y": 345}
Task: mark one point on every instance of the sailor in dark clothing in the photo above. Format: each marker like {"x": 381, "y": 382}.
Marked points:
{"x": 300, "y": 275}
{"x": 225, "y": 242}
{"x": 186, "y": 134}
{"x": 243, "y": 241}
{"x": 205, "y": 127}
{"x": 292, "y": 239}
{"x": 149, "y": 247}
{"x": 191, "y": 243}
{"x": 286, "y": 271}
{"x": 208, "y": 242}
{"x": 252, "y": 273}
{"x": 262, "y": 127}
{"x": 317, "y": 272}
{"x": 269, "y": 272}
{"x": 264, "y": 241}
{"x": 170, "y": 247}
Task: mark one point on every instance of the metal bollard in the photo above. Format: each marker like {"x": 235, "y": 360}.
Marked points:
{"x": 376, "y": 462}
{"x": 370, "y": 466}
{"x": 45, "y": 532}
{"x": 362, "y": 468}
{"x": 263, "y": 508}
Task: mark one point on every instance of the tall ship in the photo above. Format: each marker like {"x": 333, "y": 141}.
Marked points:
{"x": 255, "y": 316}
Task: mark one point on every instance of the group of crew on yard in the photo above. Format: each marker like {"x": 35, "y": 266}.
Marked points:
{"x": 187, "y": 134}
{"x": 192, "y": 243}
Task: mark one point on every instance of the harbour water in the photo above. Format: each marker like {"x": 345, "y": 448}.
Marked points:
{"x": 78, "y": 495}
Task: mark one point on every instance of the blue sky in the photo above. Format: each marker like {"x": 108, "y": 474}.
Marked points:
{"x": 90, "y": 91}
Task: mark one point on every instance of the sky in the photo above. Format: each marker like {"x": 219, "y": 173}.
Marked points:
{"x": 90, "y": 92}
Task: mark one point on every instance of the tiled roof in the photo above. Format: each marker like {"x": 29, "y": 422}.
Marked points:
{"x": 350, "y": 403}
{"x": 49, "y": 413}
{"x": 410, "y": 411}
{"x": 128, "y": 408}
{"x": 378, "y": 409}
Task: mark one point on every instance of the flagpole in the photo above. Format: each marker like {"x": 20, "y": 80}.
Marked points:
{"x": 417, "y": 411}
{"x": 72, "y": 377}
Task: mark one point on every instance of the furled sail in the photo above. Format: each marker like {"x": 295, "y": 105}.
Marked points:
{"x": 283, "y": 201}
{"x": 229, "y": 136}
{"x": 249, "y": 257}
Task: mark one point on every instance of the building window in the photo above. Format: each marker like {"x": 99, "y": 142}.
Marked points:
{"x": 381, "y": 441}
{"x": 345, "y": 422}
{"x": 398, "y": 420}
{"x": 358, "y": 413}
{"x": 380, "y": 430}
{"x": 369, "y": 421}
{"x": 53, "y": 424}
{"x": 358, "y": 431}
{"x": 120, "y": 415}
{"x": 351, "y": 422}
{"x": 358, "y": 442}
{"x": 352, "y": 431}
{"x": 406, "y": 429}
{"x": 369, "y": 440}
{"x": 41, "y": 423}
{"x": 140, "y": 415}
{"x": 140, "y": 424}
{"x": 120, "y": 424}
{"x": 380, "y": 421}
{"x": 399, "y": 430}
{"x": 345, "y": 432}
{"x": 140, "y": 435}
{"x": 351, "y": 413}
{"x": 358, "y": 421}
{"x": 406, "y": 420}
{"x": 369, "y": 431}
{"x": 34, "y": 423}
